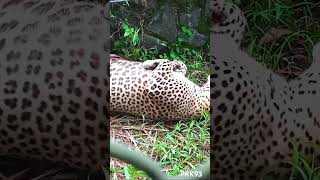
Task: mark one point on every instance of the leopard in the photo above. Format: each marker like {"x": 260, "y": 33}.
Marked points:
{"x": 258, "y": 118}
{"x": 54, "y": 82}
{"x": 156, "y": 89}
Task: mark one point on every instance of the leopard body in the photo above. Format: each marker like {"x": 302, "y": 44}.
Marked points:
{"x": 155, "y": 89}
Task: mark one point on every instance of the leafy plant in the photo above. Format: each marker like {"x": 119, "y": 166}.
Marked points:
{"x": 302, "y": 169}
{"x": 128, "y": 44}
{"x": 130, "y": 172}
{"x": 131, "y": 33}
{"x": 195, "y": 59}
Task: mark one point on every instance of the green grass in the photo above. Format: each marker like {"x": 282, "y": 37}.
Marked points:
{"x": 185, "y": 146}
{"x": 289, "y": 54}
{"x": 177, "y": 146}
{"x": 303, "y": 169}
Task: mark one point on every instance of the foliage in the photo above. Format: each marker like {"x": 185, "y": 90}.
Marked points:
{"x": 291, "y": 51}
{"x": 302, "y": 169}
{"x": 130, "y": 172}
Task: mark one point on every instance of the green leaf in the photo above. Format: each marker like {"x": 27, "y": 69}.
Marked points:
{"x": 171, "y": 139}
{"x": 127, "y": 172}
{"x": 184, "y": 29}
{"x": 173, "y": 55}
{"x": 117, "y": 43}
{"x": 251, "y": 46}
{"x": 173, "y": 151}
{"x": 135, "y": 39}
{"x": 124, "y": 26}
{"x": 180, "y": 39}
{"x": 299, "y": 169}
{"x": 187, "y": 30}
{"x": 128, "y": 32}
{"x": 295, "y": 158}
{"x": 190, "y": 33}
{"x": 162, "y": 148}
{"x": 307, "y": 167}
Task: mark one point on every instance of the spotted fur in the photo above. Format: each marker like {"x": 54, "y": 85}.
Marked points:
{"x": 53, "y": 81}
{"x": 257, "y": 115}
{"x": 156, "y": 89}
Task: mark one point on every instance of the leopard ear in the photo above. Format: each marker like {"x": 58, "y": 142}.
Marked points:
{"x": 206, "y": 86}
{"x": 163, "y": 69}
{"x": 152, "y": 64}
